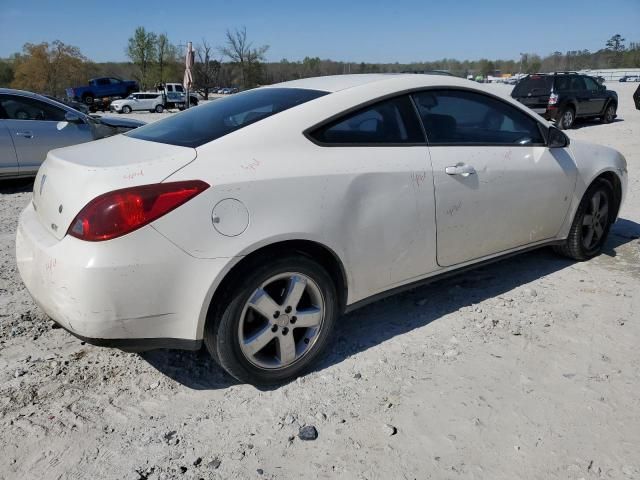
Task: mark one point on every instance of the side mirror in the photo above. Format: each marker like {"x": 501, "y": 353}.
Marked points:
{"x": 72, "y": 117}
{"x": 556, "y": 139}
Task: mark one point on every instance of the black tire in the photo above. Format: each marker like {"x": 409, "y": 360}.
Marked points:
{"x": 88, "y": 99}
{"x": 159, "y": 109}
{"x": 609, "y": 113}
{"x": 566, "y": 118}
{"x": 126, "y": 109}
{"x": 577, "y": 246}
{"x": 222, "y": 331}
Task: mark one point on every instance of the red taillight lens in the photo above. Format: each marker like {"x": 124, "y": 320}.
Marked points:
{"x": 117, "y": 213}
{"x": 553, "y": 99}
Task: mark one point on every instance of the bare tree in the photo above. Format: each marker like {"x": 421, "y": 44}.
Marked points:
{"x": 241, "y": 52}
{"x": 206, "y": 69}
{"x": 165, "y": 53}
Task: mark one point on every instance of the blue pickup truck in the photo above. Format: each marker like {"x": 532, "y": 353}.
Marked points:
{"x": 101, "y": 88}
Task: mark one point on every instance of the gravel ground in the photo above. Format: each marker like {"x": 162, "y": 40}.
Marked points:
{"x": 528, "y": 368}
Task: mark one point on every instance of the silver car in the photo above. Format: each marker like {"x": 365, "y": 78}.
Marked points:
{"x": 31, "y": 125}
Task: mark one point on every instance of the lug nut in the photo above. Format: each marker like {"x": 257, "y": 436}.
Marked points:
{"x": 285, "y": 330}
{"x": 276, "y": 314}
{"x": 274, "y": 328}
{"x": 287, "y": 310}
{"x": 293, "y": 320}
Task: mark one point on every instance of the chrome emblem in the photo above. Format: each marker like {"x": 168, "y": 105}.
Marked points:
{"x": 44, "y": 177}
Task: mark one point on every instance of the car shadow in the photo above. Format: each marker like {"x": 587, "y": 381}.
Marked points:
{"x": 382, "y": 320}
{"x": 589, "y": 122}
{"x": 20, "y": 185}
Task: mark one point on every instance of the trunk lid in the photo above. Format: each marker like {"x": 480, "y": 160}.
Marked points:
{"x": 71, "y": 177}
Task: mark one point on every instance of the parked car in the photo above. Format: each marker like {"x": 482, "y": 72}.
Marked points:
{"x": 81, "y": 107}
{"x": 565, "y": 96}
{"x": 174, "y": 96}
{"x": 31, "y": 125}
{"x": 251, "y": 223}
{"x": 630, "y": 78}
{"x": 102, "y": 88}
{"x": 149, "y": 101}
{"x": 636, "y": 98}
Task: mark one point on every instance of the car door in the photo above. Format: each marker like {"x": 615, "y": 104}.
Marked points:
{"x": 496, "y": 185}
{"x": 377, "y": 157}
{"x": 36, "y": 127}
{"x": 578, "y": 90}
{"x": 8, "y": 158}
{"x": 597, "y": 95}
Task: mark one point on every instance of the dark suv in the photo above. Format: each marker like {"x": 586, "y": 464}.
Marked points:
{"x": 565, "y": 96}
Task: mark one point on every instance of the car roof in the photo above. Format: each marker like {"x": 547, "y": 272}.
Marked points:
{"x": 335, "y": 83}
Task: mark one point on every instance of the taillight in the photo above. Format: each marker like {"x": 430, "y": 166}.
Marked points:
{"x": 117, "y": 213}
{"x": 553, "y": 99}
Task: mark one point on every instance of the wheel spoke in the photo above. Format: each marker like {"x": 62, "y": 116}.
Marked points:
{"x": 262, "y": 302}
{"x": 295, "y": 290}
{"x": 604, "y": 211}
{"x": 587, "y": 220}
{"x": 595, "y": 202}
{"x": 257, "y": 342}
{"x": 598, "y": 231}
{"x": 588, "y": 237}
{"x": 286, "y": 349}
{"x": 310, "y": 317}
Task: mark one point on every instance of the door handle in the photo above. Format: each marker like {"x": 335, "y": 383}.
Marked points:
{"x": 464, "y": 170}
{"x": 25, "y": 134}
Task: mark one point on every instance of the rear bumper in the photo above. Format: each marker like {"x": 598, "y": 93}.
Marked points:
{"x": 135, "y": 292}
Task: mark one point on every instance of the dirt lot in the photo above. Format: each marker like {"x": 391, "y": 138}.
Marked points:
{"x": 528, "y": 368}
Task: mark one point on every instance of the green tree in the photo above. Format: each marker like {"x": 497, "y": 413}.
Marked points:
{"x": 142, "y": 50}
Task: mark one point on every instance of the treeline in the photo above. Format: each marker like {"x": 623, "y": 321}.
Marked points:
{"x": 51, "y": 67}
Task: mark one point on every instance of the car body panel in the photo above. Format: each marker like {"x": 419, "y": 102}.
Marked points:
{"x": 69, "y": 178}
{"x": 8, "y": 159}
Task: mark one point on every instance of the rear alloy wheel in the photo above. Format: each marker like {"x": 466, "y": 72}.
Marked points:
{"x": 609, "y": 114}
{"x": 591, "y": 224}
{"x": 126, "y": 109}
{"x": 159, "y": 109}
{"x": 566, "y": 118}
{"x": 276, "y": 323}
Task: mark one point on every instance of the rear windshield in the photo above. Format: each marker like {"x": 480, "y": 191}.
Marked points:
{"x": 533, "y": 84}
{"x": 217, "y": 118}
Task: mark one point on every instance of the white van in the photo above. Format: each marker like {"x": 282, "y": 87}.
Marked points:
{"x": 150, "y": 101}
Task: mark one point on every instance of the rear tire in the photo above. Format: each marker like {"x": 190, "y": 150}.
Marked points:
{"x": 88, "y": 99}
{"x": 159, "y": 109}
{"x": 274, "y": 322}
{"x": 566, "y": 118}
{"x": 591, "y": 223}
{"x": 609, "y": 114}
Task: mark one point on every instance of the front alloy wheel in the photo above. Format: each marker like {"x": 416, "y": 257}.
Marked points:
{"x": 591, "y": 223}
{"x": 277, "y": 320}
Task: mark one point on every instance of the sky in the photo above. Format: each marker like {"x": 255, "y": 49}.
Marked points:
{"x": 355, "y": 31}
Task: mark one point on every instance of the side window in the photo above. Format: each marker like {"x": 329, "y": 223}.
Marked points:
{"x": 562, "y": 83}
{"x": 462, "y": 117}
{"x": 388, "y": 122}
{"x": 169, "y": 88}
{"x": 114, "y": 81}
{"x": 179, "y": 88}
{"x": 577, "y": 83}
{"x": 16, "y": 107}
{"x": 103, "y": 81}
{"x": 590, "y": 83}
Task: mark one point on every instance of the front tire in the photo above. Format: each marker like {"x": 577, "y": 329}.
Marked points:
{"x": 126, "y": 109}
{"x": 609, "y": 114}
{"x": 275, "y": 322}
{"x": 591, "y": 223}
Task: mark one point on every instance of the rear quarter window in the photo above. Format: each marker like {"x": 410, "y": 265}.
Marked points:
{"x": 203, "y": 124}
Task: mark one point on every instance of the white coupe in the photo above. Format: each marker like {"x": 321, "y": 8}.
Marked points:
{"x": 251, "y": 223}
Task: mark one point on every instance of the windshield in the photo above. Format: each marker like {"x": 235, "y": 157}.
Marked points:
{"x": 533, "y": 84}
{"x": 217, "y": 118}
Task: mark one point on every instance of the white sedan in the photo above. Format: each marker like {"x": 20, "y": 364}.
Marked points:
{"x": 251, "y": 223}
